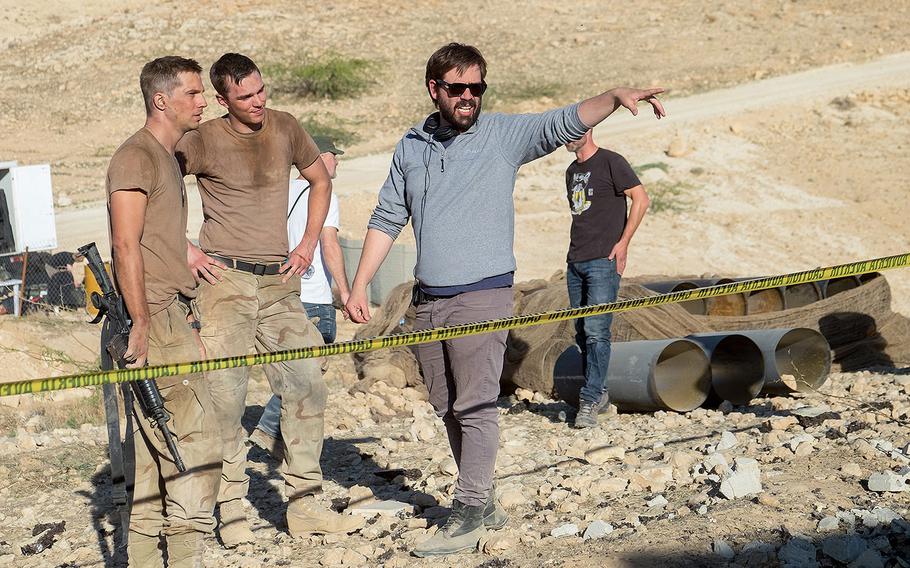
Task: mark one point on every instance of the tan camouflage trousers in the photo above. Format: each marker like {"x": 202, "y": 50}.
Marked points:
{"x": 166, "y": 501}
{"x": 243, "y": 313}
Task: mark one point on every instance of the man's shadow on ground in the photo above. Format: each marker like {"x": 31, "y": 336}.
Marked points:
{"x": 342, "y": 461}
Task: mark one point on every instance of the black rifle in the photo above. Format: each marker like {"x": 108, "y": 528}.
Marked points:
{"x": 117, "y": 329}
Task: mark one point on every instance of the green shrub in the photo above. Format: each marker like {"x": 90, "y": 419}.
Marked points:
{"x": 670, "y": 196}
{"x": 651, "y": 166}
{"x": 331, "y": 127}
{"x": 333, "y": 77}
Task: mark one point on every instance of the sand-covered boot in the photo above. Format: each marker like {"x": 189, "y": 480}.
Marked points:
{"x": 184, "y": 550}
{"x": 462, "y": 531}
{"x": 274, "y": 446}
{"x": 144, "y": 551}
{"x": 306, "y": 516}
{"x": 234, "y": 529}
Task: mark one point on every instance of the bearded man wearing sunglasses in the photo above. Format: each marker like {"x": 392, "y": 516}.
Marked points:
{"x": 453, "y": 176}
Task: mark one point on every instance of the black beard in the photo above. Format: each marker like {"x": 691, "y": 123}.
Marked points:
{"x": 460, "y": 123}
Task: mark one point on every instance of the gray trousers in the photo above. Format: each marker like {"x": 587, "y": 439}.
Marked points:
{"x": 462, "y": 376}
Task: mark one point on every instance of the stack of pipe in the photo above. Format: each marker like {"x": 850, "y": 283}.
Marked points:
{"x": 683, "y": 374}
{"x": 760, "y": 301}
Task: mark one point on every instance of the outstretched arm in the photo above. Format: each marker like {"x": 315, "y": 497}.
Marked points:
{"x": 595, "y": 110}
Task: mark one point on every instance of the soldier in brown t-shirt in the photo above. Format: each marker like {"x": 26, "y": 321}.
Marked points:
{"x": 249, "y": 297}
{"x": 148, "y": 212}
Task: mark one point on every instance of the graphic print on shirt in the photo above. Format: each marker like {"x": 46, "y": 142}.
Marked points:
{"x": 580, "y": 202}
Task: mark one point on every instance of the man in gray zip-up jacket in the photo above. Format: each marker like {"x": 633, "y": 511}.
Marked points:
{"x": 453, "y": 176}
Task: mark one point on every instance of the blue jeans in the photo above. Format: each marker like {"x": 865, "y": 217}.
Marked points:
{"x": 271, "y": 415}
{"x": 593, "y": 282}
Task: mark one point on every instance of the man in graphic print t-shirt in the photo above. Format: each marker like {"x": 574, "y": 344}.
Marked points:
{"x": 597, "y": 184}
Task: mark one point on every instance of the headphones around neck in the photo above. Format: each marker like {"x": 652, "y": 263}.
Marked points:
{"x": 440, "y": 132}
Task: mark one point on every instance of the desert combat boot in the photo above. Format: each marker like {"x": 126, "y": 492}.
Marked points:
{"x": 307, "y": 517}
{"x": 234, "y": 529}
{"x": 462, "y": 531}
{"x": 143, "y": 551}
{"x": 184, "y": 550}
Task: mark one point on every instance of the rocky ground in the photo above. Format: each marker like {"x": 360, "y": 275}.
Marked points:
{"x": 815, "y": 480}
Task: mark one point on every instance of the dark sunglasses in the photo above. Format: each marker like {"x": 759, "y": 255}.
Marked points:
{"x": 458, "y": 89}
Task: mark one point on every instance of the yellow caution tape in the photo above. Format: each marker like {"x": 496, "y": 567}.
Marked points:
{"x": 449, "y": 332}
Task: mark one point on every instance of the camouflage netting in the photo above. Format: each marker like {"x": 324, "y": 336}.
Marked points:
{"x": 859, "y": 325}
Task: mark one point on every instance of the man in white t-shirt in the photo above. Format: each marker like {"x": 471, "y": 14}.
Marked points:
{"x": 316, "y": 283}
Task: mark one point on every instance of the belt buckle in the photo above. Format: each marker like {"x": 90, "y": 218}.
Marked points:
{"x": 259, "y": 269}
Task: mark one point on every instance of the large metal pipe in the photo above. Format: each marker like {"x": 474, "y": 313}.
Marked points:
{"x": 729, "y": 305}
{"x": 796, "y": 360}
{"x": 665, "y": 374}
{"x": 737, "y": 366}
{"x": 838, "y": 285}
{"x": 799, "y": 295}
{"x": 764, "y": 301}
{"x": 694, "y": 307}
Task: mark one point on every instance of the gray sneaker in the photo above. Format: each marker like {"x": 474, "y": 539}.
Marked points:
{"x": 462, "y": 531}
{"x": 588, "y": 411}
{"x": 494, "y": 516}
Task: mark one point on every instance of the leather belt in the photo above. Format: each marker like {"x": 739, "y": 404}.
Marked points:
{"x": 419, "y": 297}
{"x": 251, "y": 267}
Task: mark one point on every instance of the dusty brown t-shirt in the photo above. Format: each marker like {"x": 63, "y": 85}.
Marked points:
{"x": 244, "y": 180}
{"x": 142, "y": 163}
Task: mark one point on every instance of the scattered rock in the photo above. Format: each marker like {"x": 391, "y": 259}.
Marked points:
{"x": 659, "y": 501}
{"x": 722, "y": 549}
{"x": 422, "y": 431}
{"x": 768, "y": 500}
{"x": 512, "y": 497}
{"x": 885, "y": 515}
{"x": 568, "y": 529}
{"x": 870, "y": 558}
{"x": 757, "y": 553}
{"x": 782, "y": 423}
{"x": 797, "y": 553}
{"x": 382, "y": 508}
{"x": 678, "y": 148}
{"x": 600, "y": 455}
{"x": 609, "y": 485}
{"x": 497, "y": 543}
{"x": 845, "y": 548}
{"x": 597, "y": 529}
{"x": 716, "y": 463}
{"x": 744, "y": 480}
{"x": 887, "y": 481}
{"x": 448, "y": 467}
{"x": 654, "y": 478}
{"x": 727, "y": 441}
{"x": 828, "y": 524}
{"x": 851, "y": 469}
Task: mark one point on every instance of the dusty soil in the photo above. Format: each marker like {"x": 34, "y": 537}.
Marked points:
{"x": 765, "y": 178}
